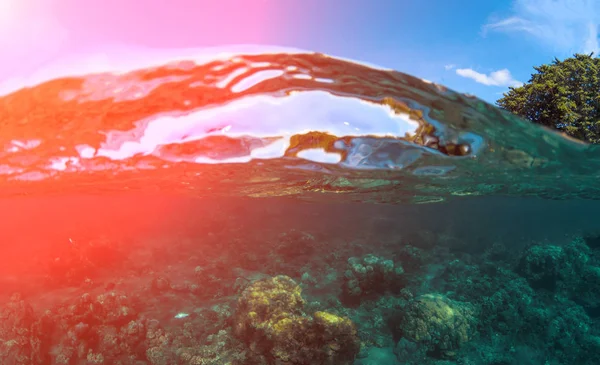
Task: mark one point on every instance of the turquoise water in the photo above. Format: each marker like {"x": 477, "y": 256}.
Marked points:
{"x": 288, "y": 208}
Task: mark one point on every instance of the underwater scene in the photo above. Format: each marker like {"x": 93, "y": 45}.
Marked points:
{"x": 282, "y": 207}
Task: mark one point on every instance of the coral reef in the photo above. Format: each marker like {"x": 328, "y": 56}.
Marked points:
{"x": 286, "y": 298}
{"x": 271, "y": 320}
{"x": 438, "y": 323}
{"x": 23, "y": 336}
{"x": 369, "y": 277}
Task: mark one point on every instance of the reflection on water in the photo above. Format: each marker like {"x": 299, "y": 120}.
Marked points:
{"x": 269, "y": 209}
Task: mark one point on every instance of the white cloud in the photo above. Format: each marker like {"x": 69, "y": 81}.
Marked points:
{"x": 449, "y": 67}
{"x": 566, "y": 26}
{"x": 496, "y": 78}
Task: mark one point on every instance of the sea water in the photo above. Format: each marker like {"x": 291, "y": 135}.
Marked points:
{"x": 273, "y": 206}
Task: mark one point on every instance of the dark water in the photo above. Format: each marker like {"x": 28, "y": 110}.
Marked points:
{"x": 289, "y": 208}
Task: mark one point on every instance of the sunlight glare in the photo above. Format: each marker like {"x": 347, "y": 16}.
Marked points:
{"x": 9, "y": 11}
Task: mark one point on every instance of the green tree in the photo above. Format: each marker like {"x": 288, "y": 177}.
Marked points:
{"x": 564, "y": 95}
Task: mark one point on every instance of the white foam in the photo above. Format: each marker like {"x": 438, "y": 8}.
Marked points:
{"x": 85, "y": 151}
{"x": 61, "y": 163}
{"x": 255, "y": 79}
{"x": 263, "y": 116}
{"x": 302, "y": 76}
{"x": 17, "y": 145}
{"x": 229, "y": 78}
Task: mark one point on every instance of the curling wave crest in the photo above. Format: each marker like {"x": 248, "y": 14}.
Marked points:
{"x": 277, "y": 122}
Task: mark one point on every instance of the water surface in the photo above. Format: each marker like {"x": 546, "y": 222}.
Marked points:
{"x": 288, "y": 207}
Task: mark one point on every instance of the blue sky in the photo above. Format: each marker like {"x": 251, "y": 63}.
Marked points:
{"x": 475, "y": 46}
{"x": 479, "y": 47}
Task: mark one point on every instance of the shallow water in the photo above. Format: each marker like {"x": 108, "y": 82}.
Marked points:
{"x": 289, "y": 208}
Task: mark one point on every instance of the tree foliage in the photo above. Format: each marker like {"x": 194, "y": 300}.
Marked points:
{"x": 564, "y": 95}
